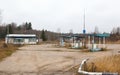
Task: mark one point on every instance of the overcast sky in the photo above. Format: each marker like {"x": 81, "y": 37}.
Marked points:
{"x": 63, "y": 14}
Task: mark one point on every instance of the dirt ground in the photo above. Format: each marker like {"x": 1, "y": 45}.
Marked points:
{"x": 48, "y": 60}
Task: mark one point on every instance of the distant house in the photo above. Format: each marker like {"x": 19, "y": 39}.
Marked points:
{"x": 21, "y": 39}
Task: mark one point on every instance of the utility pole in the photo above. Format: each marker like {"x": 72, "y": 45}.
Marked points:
{"x": 84, "y": 31}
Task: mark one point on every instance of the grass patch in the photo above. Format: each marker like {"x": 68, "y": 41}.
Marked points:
{"x": 7, "y": 49}
{"x": 106, "y": 64}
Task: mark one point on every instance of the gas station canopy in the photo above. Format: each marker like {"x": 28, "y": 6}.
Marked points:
{"x": 101, "y": 35}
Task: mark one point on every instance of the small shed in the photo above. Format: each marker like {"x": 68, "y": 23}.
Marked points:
{"x": 21, "y": 39}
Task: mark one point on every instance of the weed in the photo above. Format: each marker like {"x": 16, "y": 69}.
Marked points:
{"x": 7, "y": 50}
{"x": 106, "y": 64}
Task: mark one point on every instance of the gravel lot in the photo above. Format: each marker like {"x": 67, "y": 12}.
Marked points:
{"x": 48, "y": 60}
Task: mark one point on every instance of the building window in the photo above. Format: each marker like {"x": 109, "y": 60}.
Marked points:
{"x": 32, "y": 39}
{"x": 18, "y": 40}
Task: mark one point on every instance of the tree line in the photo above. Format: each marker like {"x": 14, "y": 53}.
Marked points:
{"x": 13, "y": 28}
{"x": 26, "y": 28}
{"x": 115, "y": 34}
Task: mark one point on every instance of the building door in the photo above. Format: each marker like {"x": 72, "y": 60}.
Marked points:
{"x": 26, "y": 41}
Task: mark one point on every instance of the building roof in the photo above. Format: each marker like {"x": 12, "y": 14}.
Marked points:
{"x": 20, "y": 35}
{"x": 73, "y": 35}
{"x": 101, "y": 35}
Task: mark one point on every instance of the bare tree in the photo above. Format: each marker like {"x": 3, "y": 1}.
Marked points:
{"x": 71, "y": 31}
{"x": 58, "y": 30}
{"x": 96, "y": 31}
{"x": 116, "y": 30}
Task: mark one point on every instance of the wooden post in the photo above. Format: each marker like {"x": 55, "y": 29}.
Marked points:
{"x": 85, "y": 66}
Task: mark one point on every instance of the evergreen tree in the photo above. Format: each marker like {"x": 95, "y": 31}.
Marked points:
{"x": 43, "y": 36}
{"x": 26, "y": 26}
{"x": 3, "y": 32}
{"x": 29, "y": 26}
{"x": 19, "y": 28}
{"x": 9, "y": 29}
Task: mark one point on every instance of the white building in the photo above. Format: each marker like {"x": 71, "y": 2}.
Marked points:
{"x": 21, "y": 39}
